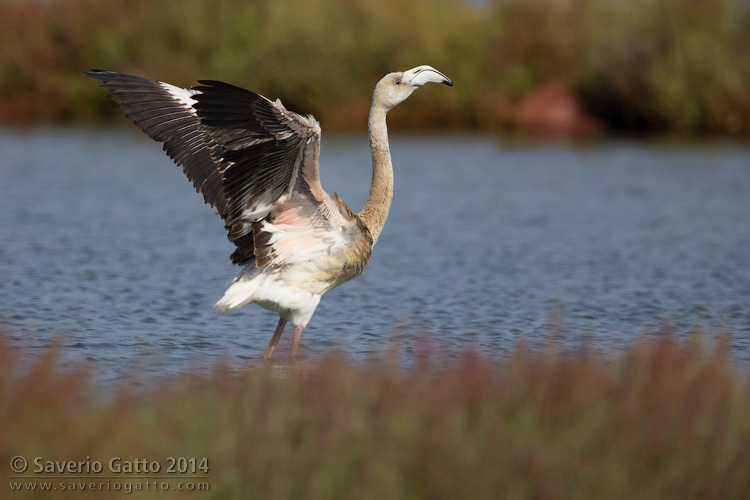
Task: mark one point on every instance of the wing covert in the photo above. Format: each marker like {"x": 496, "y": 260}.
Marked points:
{"x": 264, "y": 152}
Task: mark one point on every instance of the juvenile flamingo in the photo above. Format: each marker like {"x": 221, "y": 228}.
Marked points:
{"x": 256, "y": 163}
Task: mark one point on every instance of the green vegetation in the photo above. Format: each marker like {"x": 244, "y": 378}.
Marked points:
{"x": 666, "y": 66}
{"x": 663, "y": 420}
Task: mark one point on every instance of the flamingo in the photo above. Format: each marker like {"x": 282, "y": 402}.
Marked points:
{"x": 256, "y": 163}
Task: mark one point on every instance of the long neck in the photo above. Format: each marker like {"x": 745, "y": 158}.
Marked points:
{"x": 375, "y": 211}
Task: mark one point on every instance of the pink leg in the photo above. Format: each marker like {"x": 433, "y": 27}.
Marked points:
{"x": 295, "y": 342}
{"x": 275, "y": 339}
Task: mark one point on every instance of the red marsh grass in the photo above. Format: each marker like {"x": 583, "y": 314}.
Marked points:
{"x": 662, "y": 420}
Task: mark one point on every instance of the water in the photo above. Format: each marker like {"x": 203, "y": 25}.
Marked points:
{"x": 103, "y": 243}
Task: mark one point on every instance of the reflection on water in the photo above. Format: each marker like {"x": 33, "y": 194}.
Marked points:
{"x": 103, "y": 240}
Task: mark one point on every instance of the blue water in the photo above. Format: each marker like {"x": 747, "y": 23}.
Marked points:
{"x": 105, "y": 245}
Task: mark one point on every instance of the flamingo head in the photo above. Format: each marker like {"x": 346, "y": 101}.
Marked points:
{"x": 395, "y": 88}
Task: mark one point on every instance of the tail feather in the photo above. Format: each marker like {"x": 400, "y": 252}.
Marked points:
{"x": 238, "y": 295}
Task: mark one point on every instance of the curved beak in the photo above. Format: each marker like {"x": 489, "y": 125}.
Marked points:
{"x": 424, "y": 74}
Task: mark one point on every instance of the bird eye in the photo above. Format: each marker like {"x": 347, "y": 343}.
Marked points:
{"x": 398, "y": 82}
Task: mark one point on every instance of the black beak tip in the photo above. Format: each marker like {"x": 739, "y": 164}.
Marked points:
{"x": 448, "y": 82}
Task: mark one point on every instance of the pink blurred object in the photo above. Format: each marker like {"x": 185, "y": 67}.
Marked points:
{"x": 552, "y": 109}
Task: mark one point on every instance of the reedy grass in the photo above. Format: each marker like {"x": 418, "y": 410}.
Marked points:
{"x": 662, "y": 420}
{"x": 646, "y": 65}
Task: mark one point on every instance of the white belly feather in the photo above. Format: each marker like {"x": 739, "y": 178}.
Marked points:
{"x": 293, "y": 291}
{"x": 269, "y": 290}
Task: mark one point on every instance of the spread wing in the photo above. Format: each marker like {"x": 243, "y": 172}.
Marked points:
{"x": 243, "y": 152}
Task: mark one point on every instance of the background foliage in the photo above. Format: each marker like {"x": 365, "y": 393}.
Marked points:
{"x": 641, "y": 65}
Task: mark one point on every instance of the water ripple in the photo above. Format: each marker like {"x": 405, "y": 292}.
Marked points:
{"x": 119, "y": 257}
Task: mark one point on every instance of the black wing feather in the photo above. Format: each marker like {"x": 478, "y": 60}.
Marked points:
{"x": 167, "y": 120}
